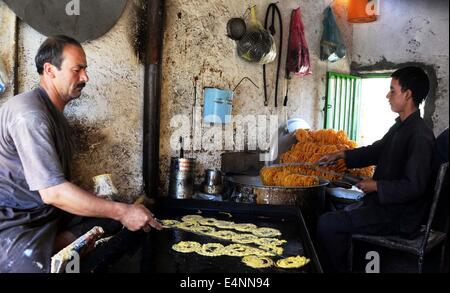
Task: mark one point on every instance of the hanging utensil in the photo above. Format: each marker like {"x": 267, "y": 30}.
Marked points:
{"x": 83, "y": 20}
{"x": 273, "y": 9}
{"x": 218, "y": 103}
{"x": 287, "y": 78}
{"x": 257, "y": 44}
{"x": 285, "y": 101}
{"x": 193, "y": 109}
{"x": 236, "y": 28}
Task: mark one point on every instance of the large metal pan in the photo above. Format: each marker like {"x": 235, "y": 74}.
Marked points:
{"x": 152, "y": 252}
{"x": 310, "y": 200}
{"x": 83, "y": 20}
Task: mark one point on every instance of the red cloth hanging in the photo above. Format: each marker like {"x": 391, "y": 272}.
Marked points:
{"x": 298, "y": 53}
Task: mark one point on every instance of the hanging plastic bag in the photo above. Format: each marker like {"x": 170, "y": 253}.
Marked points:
{"x": 332, "y": 48}
{"x": 297, "y": 60}
{"x": 257, "y": 45}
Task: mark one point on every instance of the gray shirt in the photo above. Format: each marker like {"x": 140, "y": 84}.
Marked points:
{"x": 35, "y": 149}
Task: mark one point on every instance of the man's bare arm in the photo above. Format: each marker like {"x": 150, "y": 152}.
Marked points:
{"x": 73, "y": 199}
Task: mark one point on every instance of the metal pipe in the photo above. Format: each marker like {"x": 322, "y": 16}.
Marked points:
{"x": 152, "y": 95}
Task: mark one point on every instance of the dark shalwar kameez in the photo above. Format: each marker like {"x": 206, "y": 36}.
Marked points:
{"x": 405, "y": 165}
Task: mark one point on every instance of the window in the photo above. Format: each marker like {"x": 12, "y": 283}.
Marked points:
{"x": 358, "y": 105}
{"x": 342, "y": 103}
{"x": 376, "y": 114}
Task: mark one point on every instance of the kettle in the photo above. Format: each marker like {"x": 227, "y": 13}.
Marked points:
{"x": 213, "y": 183}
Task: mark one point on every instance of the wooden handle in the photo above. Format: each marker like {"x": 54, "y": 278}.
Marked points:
{"x": 140, "y": 200}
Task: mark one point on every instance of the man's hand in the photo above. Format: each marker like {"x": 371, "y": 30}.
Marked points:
{"x": 137, "y": 217}
{"x": 72, "y": 199}
{"x": 331, "y": 158}
{"x": 367, "y": 185}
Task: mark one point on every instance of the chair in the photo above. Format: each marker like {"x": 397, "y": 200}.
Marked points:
{"x": 426, "y": 240}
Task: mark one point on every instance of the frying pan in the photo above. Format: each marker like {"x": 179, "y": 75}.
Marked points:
{"x": 152, "y": 253}
{"x": 80, "y": 19}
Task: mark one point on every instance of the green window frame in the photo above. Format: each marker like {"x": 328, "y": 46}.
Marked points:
{"x": 342, "y": 103}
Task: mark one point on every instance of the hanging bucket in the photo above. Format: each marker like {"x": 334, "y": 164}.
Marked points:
{"x": 218, "y": 103}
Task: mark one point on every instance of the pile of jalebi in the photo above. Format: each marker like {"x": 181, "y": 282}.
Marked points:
{"x": 311, "y": 146}
{"x": 286, "y": 176}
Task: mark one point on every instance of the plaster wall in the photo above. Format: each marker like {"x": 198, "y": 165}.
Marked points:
{"x": 196, "y": 45}
{"x": 410, "y": 31}
{"x": 107, "y": 120}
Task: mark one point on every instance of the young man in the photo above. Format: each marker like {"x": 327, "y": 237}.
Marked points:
{"x": 35, "y": 155}
{"x": 396, "y": 196}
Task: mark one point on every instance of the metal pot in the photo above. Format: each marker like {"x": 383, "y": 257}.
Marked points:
{"x": 213, "y": 183}
{"x": 181, "y": 181}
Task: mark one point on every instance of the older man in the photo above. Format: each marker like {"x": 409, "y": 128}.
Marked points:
{"x": 35, "y": 155}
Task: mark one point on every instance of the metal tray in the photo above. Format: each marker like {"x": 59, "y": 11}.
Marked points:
{"x": 152, "y": 252}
